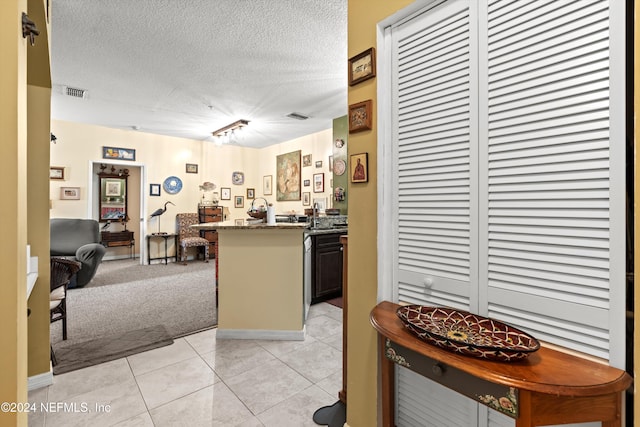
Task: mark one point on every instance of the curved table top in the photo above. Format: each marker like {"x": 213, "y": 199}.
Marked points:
{"x": 545, "y": 371}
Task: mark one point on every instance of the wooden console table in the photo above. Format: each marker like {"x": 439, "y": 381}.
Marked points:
{"x": 548, "y": 387}
{"x": 110, "y": 239}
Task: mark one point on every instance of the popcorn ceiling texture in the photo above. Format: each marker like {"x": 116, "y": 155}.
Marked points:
{"x": 185, "y": 68}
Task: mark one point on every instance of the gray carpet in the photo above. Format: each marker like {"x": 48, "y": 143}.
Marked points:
{"x": 125, "y": 296}
{"x": 93, "y": 352}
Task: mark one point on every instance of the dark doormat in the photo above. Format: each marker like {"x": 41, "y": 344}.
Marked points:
{"x": 335, "y": 301}
{"x": 93, "y": 352}
{"x": 332, "y": 416}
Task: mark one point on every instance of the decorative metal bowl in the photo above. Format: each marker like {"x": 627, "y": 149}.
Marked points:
{"x": 467, "y": 333}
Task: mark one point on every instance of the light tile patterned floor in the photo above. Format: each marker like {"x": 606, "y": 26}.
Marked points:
{"x": 201, "y": 381}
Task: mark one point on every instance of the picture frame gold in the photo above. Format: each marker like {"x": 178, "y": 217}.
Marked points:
{"x": 359, "y": 167}
{"x": 362, "y": 66}
{"x": 267, "y": 185}
{"x": 225, "y": 193}
{"x": 251, "y": 193}
{"x": 360, "y": 116}
{"x": 238, "y": 202}
{"x": 56, "y": 172}
{"x": 288, "y": 173}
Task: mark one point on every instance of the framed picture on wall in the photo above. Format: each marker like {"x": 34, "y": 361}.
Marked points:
{"x": 154, "y": 189}
{"x": 267, "y": 185}
{"x": 358, "y": 164}
{"x": 362, "y": 66}
{"x": 69, "y": 193}
{"x": 56, "y": 172}
{"x": 318, "y": 183}
{"x": 225, "y": 193}
{"x": 191, "y": 168}
{"x": 238, "y": 202}
{"x": 251, "y": 193}
{"x": 360, "y": 116}
{"x": 306, "y": 198}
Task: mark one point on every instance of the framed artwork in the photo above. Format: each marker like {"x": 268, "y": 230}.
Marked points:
{"x": 69, "y": 193}
{"x": 239, "y": 222}
{"x": 251, "y": 193}
{"x": 238, "y": 202}
{"x": 330, "y": 163}
{"x": 306, "y": 160}
{"x": 113, "y": 187}
{"x": 56, "y": 172}
{"x": 225, "y": 193}
{"x": 319, "y": 164}
{"x": 118, "y": 153}
{"x": 307, "y": 182}
{"x": 237, "y": 178}
{"x": 318, "y": 183}
{"x": 360, "y": 116}
{"x": 191, "y": 168}
{"x": 359, "y": 167}
{"x": 267, "y": 185}
{"x": 306, "y": 198}
{"x": 362, "y": 66}
{"x": 154, "y": 189}
{"x": 288, "y": 176}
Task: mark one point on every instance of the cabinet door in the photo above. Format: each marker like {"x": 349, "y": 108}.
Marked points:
{"x": 327, "y": 266}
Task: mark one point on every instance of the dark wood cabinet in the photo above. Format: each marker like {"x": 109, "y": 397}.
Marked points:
{"x": 210, "y": 214}
{"x": 110, "y": 239}
{"x": 327, "y": 262}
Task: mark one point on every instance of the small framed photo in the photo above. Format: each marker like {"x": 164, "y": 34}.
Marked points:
{"x": 319, "y": 163}
{"x": 318, "y": 183}
{"x": 362, "y": 66}
{"x": 118, "y": 153}
{"x": 306, "y": 160}
{"x": 225, "y": 193}
{"x": 267, "y": 188}
{"x": 56, "y": 172}
{"x": 238, "y": 202}
{"x": 154, "y": 190}
{"x": 251, "y": 193}
{"x": 238, "y": 222}
{"x": 359, "y": 167}
{"x": 191, "y": 168}
{"x": 306, "y": 182}
{"x": 69, "y": 193}
{"x": 306, "y": 199}
{"x": 322, "y": 203}
{"x": 360, "y": 116}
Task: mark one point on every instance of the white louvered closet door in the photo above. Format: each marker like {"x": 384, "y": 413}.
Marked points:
{"x": 508, "y": 185}
{"x": 551, "y": 257}
{"x": 435, "y": 64}
{"x": 436, "y": 158}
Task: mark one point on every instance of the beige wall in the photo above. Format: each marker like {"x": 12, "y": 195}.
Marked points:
{"x": 363, "y": 15}
{"x": 78, "y": 145}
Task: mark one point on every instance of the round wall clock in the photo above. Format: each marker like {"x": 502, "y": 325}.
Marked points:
{"x": 339, "y": 167}
{"x": 172, "y": 185}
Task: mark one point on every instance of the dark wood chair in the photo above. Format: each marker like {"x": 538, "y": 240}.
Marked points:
{"x": 62, "y": 270}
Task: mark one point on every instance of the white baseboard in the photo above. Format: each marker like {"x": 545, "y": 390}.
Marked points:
{"x": 261, "y": 334}
{"x": 41, "y": 380}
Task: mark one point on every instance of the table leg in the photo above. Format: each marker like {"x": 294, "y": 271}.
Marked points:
{"x": 387, "y": 381}
{"x": 165, "y": 250}
{"x": 148, "y": 250}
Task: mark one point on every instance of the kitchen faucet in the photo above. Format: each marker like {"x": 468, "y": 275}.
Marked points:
{"x": 314, "y": 219}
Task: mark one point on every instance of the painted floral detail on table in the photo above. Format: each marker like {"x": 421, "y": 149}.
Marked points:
{"x": 506, "y": 404}
{"x": 395, "y": 357}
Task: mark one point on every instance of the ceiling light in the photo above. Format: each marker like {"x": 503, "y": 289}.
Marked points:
{"x": 297, "y": 116}
{"x": 229, "y": 133}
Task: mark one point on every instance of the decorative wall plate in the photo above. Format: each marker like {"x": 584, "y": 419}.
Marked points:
{"x": 172, "y": 185}
{"x": 467, "y": 333}
{"x": 339, "y": 167}
{"x": 237, "y": 178}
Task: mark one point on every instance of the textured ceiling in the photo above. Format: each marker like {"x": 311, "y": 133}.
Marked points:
{"x": 185, "y": 68}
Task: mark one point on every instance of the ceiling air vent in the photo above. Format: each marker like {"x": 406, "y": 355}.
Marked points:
{"x": 75, "y": 92}
{"x": 297, "y": 116}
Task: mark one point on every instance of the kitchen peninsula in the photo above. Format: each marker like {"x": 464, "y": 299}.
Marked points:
{"x": 260, "y": 280}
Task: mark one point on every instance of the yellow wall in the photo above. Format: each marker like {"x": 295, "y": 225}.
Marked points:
{"x": 363, "y": 16}
{"x": 78, "y": 144}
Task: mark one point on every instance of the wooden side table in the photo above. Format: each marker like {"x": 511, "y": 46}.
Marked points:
{"x": 110, "y": 239}
{"x": 166, "y": 237}
{"x": 548, "y": 387}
